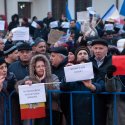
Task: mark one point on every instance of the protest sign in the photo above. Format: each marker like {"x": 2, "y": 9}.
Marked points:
{"x": 79, "y": 72}
{"x": 83, "y": 15}
{"x": 91, "y": 10}
{"x": 34, "y": 24}
{"x": 85, "y": 26}
{"x": 2, "y": 24}
{"x": 32, "y": 101}
{"x": 63, "y": 39}
{"x": 109, "y": 27}
{"x": 54, "y": 36}
{"x": 119, "y": 62}
{"x": 32, "y": 94}
{"x": 120, "y": 44}
{"x": 53, "y": 24}
{"x": 20, "y": 33}
{"x": 65, "y": 24}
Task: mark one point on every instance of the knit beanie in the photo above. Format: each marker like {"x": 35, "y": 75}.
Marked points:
{"x": 82, "y": 48}
{"x": 9, "y": 48}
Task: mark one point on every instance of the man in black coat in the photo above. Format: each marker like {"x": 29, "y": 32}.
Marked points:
{"x": 41, "y": 31}
{"x": 101, "y": 61}
{"x": 48, "y": 19}
{"x": 59, "y": 60}
{"x": 20, "y": 67}
{"x": 14, "y": 23}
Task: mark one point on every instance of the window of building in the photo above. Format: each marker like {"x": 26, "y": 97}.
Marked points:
{"x": 24, "y": 9}
{"x": 81, "y": 5}
{"x": 58, "y": 8}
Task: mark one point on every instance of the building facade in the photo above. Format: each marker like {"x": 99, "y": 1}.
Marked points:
{"x": 39, "y": 8}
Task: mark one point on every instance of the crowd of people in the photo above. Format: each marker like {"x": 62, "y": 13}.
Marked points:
{"x": 37, "y": 61}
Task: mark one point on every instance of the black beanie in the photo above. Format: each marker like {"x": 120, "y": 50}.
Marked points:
{"x": 82, "y": 48}
{"x": 100, "y": 41}
{"x": 24, "y": 46}
{"x": 9, "y": 48}
{"x": 60, "y": 49}
{"x": 40, "y": 23}
{"x": 72, "y": 50}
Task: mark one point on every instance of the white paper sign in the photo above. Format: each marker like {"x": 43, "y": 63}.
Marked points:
{"x": 2, "y": 24}
{"x": 109, "y": 27}
{"x": 83, "y": 15}
{"x": 34, "y": 24}
{"x": 20, "y": 33}
{"x": 65, "y": 25}
{"x": 91, "y": 10}
{"x": 120, "y": 44}
{"x": 79, "y": 72}
{"x": 53, "y": 24}
{"x": 85, "y": 26}
{"x": 34, "y": 93}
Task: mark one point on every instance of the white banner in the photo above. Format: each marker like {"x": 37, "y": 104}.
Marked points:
{"x": 79, "y": 72}
{"x": 20, "y": 33}
{"x": 34, "y": 24}
{"x": 34, "y": 93}
{"x": 83, "y": 15}
{"x": 2, "y": 24}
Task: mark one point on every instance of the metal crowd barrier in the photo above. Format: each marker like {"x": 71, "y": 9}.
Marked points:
{"x": 71, "y": 105}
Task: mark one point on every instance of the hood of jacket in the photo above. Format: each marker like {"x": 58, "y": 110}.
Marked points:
{"x": 32, "y": 75}
{"x": 15, "y": 16}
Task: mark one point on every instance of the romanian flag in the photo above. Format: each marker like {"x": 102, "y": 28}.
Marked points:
{"x": 68, "y": 16}
{"x": 122, "y": 11}
{"x": 112, "y": 13}
{"x": 32, "y": 111}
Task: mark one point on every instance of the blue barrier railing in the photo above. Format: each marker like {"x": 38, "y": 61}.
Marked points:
{"x": 3, "y": 96}
{"x": 71, "y": 104}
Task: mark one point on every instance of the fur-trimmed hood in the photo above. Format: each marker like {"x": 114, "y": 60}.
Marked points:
{"x": 48, "y": 68}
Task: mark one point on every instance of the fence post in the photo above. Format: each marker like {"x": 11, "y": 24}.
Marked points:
{"x": 115, "y": 120}
{"x": 50, "y": 106}
{"x": 93, "y": 110}
{"x": 71, "y": 108}
{"x": 5, "y": 116}
{"x": 31, "y": 122}
{"x": 10, "y": 105}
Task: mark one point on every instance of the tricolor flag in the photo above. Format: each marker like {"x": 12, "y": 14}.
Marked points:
{"x": 32, "y": 111}
{"x": 32, "y": 101}
{"x": 68, "y": 16}
{"x": 112, "y": 13}
{"x": 122, "y": 11}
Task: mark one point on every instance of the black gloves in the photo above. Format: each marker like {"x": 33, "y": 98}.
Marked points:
{"x": 110, "y": 70}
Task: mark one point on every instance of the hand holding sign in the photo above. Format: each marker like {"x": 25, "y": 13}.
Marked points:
{"x": 89, "y": 85}
{"x": 28, "y": 82}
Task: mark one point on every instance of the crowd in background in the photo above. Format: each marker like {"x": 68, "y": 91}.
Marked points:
{"x": 37, "y": 61}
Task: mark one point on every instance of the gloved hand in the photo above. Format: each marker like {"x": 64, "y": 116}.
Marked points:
{"x": 110, "y": 70}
